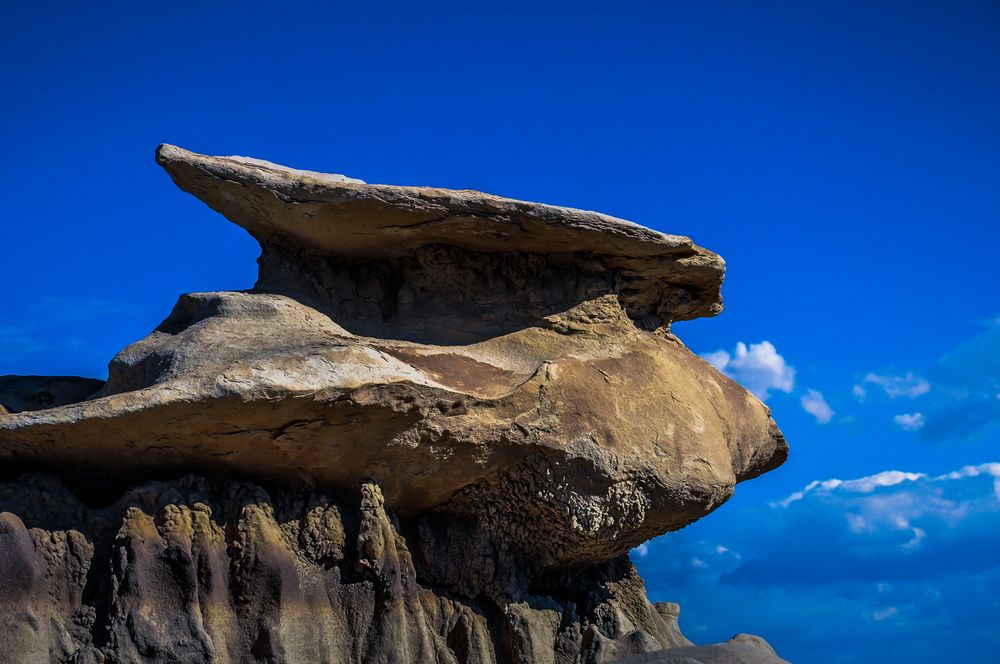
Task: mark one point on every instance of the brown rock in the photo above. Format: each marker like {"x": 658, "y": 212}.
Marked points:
{"x": 194, "y": 570}
{"x": 416, "y": 254}
{"x": 499, "y": 378}
{"x": 42, "y": 618}
{"x": 741, "y": 649}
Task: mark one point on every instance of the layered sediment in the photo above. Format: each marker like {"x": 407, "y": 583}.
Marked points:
{"x": 431, "y": 432}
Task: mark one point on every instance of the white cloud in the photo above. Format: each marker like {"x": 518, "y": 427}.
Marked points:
{"x": 918, "y": 537}
{"x": 814, "y": 404}
{"x": 859, "y": 485}
{"x": 885, "y": 613}
{"x": 909, "y": 421}
{"x": 992, "y": 469}
{"x": 908, "y": 385}
{"x": 642, "y": 550}
{"x": 883, "y": 479}
{"x": 900, "y": 511}
{"x": 860, "y": 392}
{"x": 719, "y": 359}
{"x": 856, "y": 522}
{"x": 892, "y": 499}
{"x": 758, "y": 367}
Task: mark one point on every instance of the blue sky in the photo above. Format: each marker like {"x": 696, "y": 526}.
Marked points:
{"x": 842, "y": 156}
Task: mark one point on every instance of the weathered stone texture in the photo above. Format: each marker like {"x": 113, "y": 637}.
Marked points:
{"x": 430, "y": 433}
{"x": 195, "y": 570}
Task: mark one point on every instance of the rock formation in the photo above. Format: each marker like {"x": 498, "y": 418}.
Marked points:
{"x": 431, "y": 432}
{"x": 741, "y": 649}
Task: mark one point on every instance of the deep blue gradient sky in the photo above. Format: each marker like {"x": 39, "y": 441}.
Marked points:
{"x": 842, "y": 156}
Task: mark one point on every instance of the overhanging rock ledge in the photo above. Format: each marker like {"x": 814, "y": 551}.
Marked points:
{"x": 460, "y": 409}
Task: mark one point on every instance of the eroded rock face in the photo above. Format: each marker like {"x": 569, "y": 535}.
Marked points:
{"x": 195, "y": 570}
{"x": 498, "y": 376}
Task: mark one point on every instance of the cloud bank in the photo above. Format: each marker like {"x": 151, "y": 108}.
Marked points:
{"x": 892, "y": 562}
{"x": 908, "y": 385}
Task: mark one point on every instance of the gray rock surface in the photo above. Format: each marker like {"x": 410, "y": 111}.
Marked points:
{"x": 431, "y": 432}
{"x": 741, "y": 649}
{"x": 197, "y": 570}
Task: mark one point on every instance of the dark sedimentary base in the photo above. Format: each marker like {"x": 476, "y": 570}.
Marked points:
{"x": 194, "y": 570}
{"x": 430, "y": 433}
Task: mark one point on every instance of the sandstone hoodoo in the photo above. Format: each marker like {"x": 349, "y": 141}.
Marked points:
{"x": 431, "y": 432}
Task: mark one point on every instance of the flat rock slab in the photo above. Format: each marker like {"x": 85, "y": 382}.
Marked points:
{"x": 660, "y": 276}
